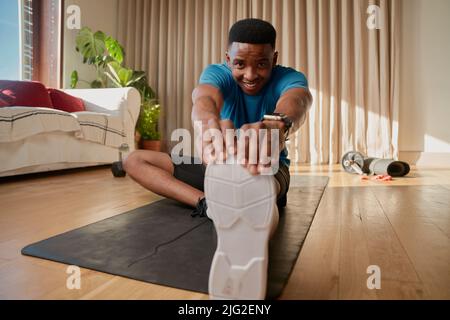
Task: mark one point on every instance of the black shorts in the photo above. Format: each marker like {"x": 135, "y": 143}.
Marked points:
{"x": 193, "y": 174}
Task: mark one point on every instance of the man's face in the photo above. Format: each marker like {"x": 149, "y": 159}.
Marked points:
{"x": 251, "y": 65}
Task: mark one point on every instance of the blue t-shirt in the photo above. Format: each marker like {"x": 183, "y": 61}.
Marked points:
{"x": 242, "y": 108}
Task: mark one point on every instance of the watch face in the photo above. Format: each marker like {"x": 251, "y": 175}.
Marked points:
{"x": 279, "y": 117}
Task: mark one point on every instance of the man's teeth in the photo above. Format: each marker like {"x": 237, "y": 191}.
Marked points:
{"x": 250, "y": 85}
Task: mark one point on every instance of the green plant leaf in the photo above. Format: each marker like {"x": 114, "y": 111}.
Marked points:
{"x": 90, "y": 60}
{"x": 135, "y": 77}
{"x": 90, "y": 44}
{"x": 96, "y": 84}
{"x": 113, "y": 73}
{"x": 125, "y": 76}
{"x": 147, "y": 124}
{"x": 113, "y": 80}
{"x": 147, "y": 93}
{"x": 114, "y": 48}
{"x": 121, "y": 76}
{"x": 107, "y": 55}
{"x": 105, "y": 60}
{"x": 74, "y": 79}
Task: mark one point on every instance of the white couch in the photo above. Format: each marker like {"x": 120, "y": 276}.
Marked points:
{"x": 42, "y": 139}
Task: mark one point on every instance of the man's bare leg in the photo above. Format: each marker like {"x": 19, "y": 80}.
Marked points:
{"x": 154, "y": 171}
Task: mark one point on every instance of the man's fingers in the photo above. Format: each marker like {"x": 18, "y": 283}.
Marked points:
{"x": 228, "y": 132}
{"x": 217, "y": 139}
{"x": 226, "y": 124}
{"x": 249, "y": 146}
{"x": 253, "y": 169}
{"x": 265, "y": 147}
{"x": 253, "y": 145}
{"x": 279, "y": 128}
{"x": 208, "y": 153}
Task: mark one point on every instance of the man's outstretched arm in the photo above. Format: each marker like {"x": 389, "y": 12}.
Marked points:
{"x": 295, "y": 103}
{"x": 207, "y": 103}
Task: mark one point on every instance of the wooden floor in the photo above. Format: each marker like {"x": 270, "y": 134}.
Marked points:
{"x": 401, "y": 226}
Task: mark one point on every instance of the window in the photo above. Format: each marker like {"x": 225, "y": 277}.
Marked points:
{"x": 26, "y": 39}
{"x": 10, "y": 39}
{"x": 16, "y": 36}
{"x": 30, "y": 35}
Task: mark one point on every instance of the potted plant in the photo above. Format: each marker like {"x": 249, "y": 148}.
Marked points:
{"x": 106, "y": 54}
{"x": 98, "y": 50}
{"x": 147, "y": 125}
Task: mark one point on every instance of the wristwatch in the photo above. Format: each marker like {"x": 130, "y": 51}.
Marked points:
{"x": 276, "y": 116}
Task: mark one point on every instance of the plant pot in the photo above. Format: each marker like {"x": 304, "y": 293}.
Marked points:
{"x": 154, "y": 145}
{"x": 137, "y": 140}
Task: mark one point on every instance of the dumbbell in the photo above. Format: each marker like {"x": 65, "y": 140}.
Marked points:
{"x": 356, "y": 162}
{"x": 117, "y": 167}
{"x": 353, "y": 162}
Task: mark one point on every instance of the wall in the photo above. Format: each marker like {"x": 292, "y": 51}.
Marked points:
{"x": 97, "y": 15}
{"x": 425, "y": 84}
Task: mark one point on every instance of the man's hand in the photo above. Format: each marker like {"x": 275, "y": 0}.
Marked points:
{"x": 280, "y": 126}
{"x": 256, "y": 150}
{"x": 216, "y": 142}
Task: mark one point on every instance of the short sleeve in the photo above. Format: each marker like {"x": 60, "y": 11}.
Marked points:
{"x": 290, "y": 78}
{"x": 218, "y": 76}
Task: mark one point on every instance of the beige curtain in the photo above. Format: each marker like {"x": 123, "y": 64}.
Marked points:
{"x": 352, "y": 70}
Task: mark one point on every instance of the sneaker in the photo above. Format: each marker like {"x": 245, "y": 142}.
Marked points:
{"x": 282, "y": 202}
{"x": 200, "y": 209}
{"x": 243, "y": 209}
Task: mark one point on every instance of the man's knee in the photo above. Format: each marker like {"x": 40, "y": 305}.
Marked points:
{"x": 132, "y": 162}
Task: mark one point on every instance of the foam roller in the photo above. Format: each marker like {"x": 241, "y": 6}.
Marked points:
{"x": 390, "y": 167}
{"x": 356, "y": 162}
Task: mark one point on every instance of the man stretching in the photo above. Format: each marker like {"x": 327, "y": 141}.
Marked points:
{"x": 249, "y": 92}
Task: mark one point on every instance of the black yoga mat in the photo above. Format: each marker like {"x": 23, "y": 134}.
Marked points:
{"x": 161, "y": 243}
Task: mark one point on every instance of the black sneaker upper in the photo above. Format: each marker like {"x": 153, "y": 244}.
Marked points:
{"x": 200, "y": 208}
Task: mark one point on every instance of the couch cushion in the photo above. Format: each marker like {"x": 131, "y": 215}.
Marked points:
{"x": 24, "y": 94}
{"x": 65, "y": 102}
{"x": 101, "y": 128}
{"x": 18, "y": 123}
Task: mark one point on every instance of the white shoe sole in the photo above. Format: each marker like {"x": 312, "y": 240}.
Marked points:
{"x": 243, "y": 209}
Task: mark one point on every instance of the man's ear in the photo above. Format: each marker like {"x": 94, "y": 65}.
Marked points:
{"x": 227, "y": 56}
{"x": 275, "y": 58}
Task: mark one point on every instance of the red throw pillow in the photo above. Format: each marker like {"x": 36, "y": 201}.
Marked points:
{"x": 65, "y": 102}
{"x": 24, "y": 94}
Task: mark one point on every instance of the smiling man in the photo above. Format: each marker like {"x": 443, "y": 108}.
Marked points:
{"x": 240, "y": 92}
{"x": 249, "y": 92}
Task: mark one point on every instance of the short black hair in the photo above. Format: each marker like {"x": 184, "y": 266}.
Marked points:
{"x": 253, "y": 31}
